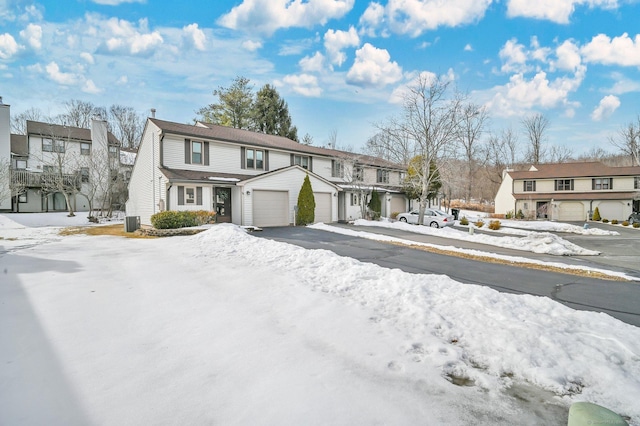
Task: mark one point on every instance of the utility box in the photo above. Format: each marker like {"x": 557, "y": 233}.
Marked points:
{"x": 131, "y": 223}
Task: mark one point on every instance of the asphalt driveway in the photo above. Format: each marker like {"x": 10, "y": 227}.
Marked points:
{"x": 618, "y": 299}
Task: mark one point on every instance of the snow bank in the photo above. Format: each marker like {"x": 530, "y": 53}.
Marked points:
{"x": 464, "y": 330}
{"x": 536, "y": 242}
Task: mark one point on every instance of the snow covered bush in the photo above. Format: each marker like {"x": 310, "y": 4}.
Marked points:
{"x": 479, "y": 223}
{"x": 464, "y": 221}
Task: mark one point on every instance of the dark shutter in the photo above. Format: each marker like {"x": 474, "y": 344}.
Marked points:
{"x": 534, "y": 186}
{"x": 292, "y": 160}
{"x": 187, "y": 151}
{"x": 593, "y": 184}
{"x": 181, "y": 195}
{"x": 572, "y": 184}
{"x": 266, "y": 161}
{"x": 310, "y": 163}
{"x": 199, "y": 195}
{"x": 610, "y": 183}
{"x": 206, "y": 153}
{"x": 243, "y": 162}
{"x": 524, "y": 186}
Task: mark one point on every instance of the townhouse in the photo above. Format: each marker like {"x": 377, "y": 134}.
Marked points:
{"x": 253, "y": 179}
{"x": 570, "y": 191}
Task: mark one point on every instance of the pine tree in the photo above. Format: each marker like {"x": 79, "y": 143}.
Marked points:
{"x": 596, "y": 215}
{"x": 306, "y": 204}
{"x": 375, "y": 205}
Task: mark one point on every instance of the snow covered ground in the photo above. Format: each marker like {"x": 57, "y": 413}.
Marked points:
{"x": 226, "y": 328}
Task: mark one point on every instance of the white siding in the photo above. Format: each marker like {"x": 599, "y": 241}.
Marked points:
{"x": 143, "y": 189}
{"x": 505, "y": 201}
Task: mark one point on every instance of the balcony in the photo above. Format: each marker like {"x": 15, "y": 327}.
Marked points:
{"x": 29, "y": 179}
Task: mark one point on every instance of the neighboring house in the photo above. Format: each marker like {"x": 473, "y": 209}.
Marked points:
{"x": 51, "y": 160}
{"x": 252, "y": 178}
{"x": 570, "y": 191}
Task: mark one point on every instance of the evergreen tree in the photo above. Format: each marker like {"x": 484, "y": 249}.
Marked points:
{"x": 271, "y": 114}
{"x": 235, "y": 106}
{"x": 306, "y": 204}
{"x": 375, "y": 204}
{"x": 596, "y": 215}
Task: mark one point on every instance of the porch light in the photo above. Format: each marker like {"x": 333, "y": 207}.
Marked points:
{"x": 248, "y": 192}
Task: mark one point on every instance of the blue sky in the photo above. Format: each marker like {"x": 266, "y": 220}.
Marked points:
{"x": 340, "y": 64}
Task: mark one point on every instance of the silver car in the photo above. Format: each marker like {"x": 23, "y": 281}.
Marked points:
{"x": 432, "y": 217}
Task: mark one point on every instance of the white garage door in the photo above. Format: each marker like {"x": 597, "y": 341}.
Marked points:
{"x": 323, "y": 207}
{"x": 398, "y": 204}
{"x": 571, "y": 211}
{"x": 611, "y": 210}
{"x": 270, "y": 208}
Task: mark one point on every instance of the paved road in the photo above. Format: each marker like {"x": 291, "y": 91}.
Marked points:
{"x": 619, "y": 299}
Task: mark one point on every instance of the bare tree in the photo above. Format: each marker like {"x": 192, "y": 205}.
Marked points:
{"x": 472, "y": 122}
{"x": 307, "y": 139}
{"x": 80, "y": 113}
{"x": 126, "y": 124}
{"x": 535, "y": 127}
{"x": 430, "y": 127}
{"x": 395, "y": 146}
{"x": 628, "y": 140}
{"x": 560, "y": 154}
{"x": 19, "y": 121}
{"x": 500, "y": 154}
{"x": 62, "y": 173}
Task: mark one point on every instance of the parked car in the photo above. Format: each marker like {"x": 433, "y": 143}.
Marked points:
{"x": 432, "y": 217}
{"x": 634, "y": 217}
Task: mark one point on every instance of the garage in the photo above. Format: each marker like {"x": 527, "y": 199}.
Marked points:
{"x": 270, "y": 208}
{"x": 398, "y": 204}
{"x": 571, "y": 211}
{"x": 611, "y": 210}
{"x": 323, "y": 207}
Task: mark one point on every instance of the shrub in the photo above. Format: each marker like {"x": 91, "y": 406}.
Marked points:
{"x": 479, "y": 223}
{"x": 520, "y": 215}
{"x": 394, "y": 215}
{"x": 625, "y": 223}
{"x": 375, "y": 204}
{"x": 306, "y": 204}
{"x": 494, "y": 224}
{"x": 172, "y": 219}
{"x": 596, "y": 215}
{"x": 204, "y": 217}
{"x": 605, "y": 220}
{"x": 464, "y": 221}
{"x": 636, "y": 224}
{"x": 509, "y": 215}
{"x": 614, "y": 222}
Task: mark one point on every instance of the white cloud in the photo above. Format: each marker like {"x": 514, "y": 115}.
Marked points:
{"x": 336, "y": 41}
{"x": 116, "y": 2}
{"x": 414, "y": 17}
{"x": 621, "y": 50}
{"x": 622, "y": 85}
{"x": 557, "y": 11}
{"x": 400, "y": 93}
{"x": 605, "y": 108}
{"x": 521, "y": 94}
{"x": 32, "y": 35}
{"x": 90, "y": 87}
{"x": 267, "y": 16}
{"x": 251, "y": 45}
{"x": 8, "y": 46}
{"x": 55, "y": 74}
{"x": 195, "y": 37}
{"x": 513, "y": 56}
{"x": 569, "y": 58}
{"x": 122, "y": 80}
{"x": 88, "y": 57}
{"x": 125, "y": 38}
{"x": 468, "y": 48}
{"x": 304, "y": 84}
{"x": 313, "y": 63}
{"x": 373, "y": 68}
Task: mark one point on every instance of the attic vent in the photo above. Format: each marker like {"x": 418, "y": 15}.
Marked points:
{"x": 533, "y": 169}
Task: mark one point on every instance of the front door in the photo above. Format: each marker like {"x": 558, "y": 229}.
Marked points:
{"x": 542, "y": 210}
{"x": 222, "y": 204}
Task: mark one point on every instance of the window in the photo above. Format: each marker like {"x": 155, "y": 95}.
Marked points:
{"x": 196, "y": 152}
{"x": 355, "y": 200}
{"x": 190, "y": 195}
{"x": 85, "y": 148}
{"x": 51, "y": 145}
{"x": 403, "y": 176}
{"x": 21, "y": 164}
{"x": 113, "y": 151}
{"x": 564, "y": 184}
{"x": 48, "y": 169}
{"x": 358, "y": 174}
{"x": 636, "y": 182}
{"x": 602, "y": 183}
{"x": 382, "y": 176}
{"x": 84, "y": 174}
{"x": 529, "y": 185}
{"x": 302, "y": 161}
{"x": 22, "y": 198}
{"x": 254, "y": 159}
{"x": 337, "y": 168}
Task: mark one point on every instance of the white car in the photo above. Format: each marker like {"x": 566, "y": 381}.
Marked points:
{"x": 432, "y": 217}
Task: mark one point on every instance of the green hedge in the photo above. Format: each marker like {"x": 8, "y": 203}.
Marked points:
{"x": 182, "y": 219}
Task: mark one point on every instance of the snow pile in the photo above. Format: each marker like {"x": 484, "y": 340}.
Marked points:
{"x": 536, "y": 242}
{"x": 554, "y": 227}
{"x": 471, "y": 332}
